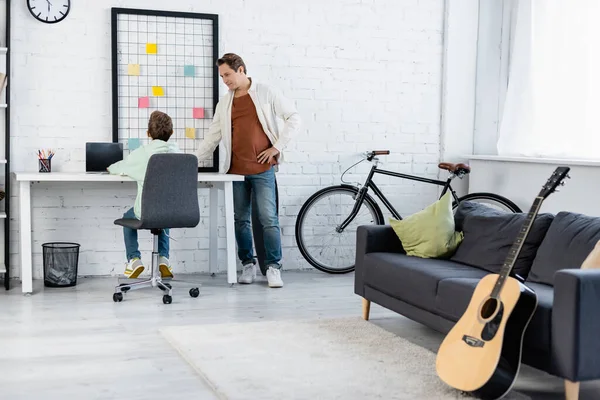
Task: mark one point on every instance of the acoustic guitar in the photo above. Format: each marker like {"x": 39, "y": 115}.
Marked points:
{"x": 482, "y": 352}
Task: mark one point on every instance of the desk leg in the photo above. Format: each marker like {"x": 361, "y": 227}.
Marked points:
{"x": 213, "y": 240}
{"x": 230, "y": 232}
{"x": 25, "y": 236}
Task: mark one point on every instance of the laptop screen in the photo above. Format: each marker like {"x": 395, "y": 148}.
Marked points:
{"x": 100, "y": 155}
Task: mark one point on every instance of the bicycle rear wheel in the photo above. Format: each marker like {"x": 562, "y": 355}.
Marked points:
{"x": 490, "y": 199}
{"x": 317, "y": 237}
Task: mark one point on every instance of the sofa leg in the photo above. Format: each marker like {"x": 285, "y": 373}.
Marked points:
{"x": 571, "y": 390}
{"x": 366, "y": 309}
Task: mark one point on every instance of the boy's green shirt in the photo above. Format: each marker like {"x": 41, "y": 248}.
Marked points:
{"x": 136, "y": 163}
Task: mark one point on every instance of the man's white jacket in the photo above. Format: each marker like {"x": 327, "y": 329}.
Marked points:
{"x": 273, "y": 109}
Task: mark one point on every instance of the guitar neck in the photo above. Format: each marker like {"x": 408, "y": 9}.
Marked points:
{"x": 515, "y": 249}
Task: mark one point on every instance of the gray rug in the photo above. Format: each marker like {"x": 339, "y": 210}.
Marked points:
{"x": 346, "y": 358}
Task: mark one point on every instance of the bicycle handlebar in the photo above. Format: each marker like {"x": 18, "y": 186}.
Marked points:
{"x": 373, "y": 153}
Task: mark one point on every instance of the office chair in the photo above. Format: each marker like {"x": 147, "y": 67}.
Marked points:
{"x": 169, "y": 200}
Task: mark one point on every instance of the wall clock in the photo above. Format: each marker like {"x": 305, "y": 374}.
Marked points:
{"x": 49, "y": 11}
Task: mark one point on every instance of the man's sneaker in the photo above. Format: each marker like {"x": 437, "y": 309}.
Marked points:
{"x": 134, "y": 268}
{"x": 164, "y": 266}
{"x": 274, "y": 277}
{"x": 248, "y": 273}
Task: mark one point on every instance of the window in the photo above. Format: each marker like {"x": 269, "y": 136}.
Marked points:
{"x": 552, "y": 101}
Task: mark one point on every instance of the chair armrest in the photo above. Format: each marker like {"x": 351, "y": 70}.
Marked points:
{"x": 576, "y": 324}
{"x": 373, "y": 239}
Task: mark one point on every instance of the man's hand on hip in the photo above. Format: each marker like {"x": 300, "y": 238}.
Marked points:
{"x": 267, "y": 155}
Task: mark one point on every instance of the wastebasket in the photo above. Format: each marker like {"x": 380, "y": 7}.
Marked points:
{"x": 60, "y": 264}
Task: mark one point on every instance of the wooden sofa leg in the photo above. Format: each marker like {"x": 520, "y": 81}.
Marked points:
{"x": 366, "y": 309}
{"x": 571, "y": 390}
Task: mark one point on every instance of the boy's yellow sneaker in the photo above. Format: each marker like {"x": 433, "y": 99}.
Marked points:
{"x": 164, "y": 266}
{"x": 134, "y": 268}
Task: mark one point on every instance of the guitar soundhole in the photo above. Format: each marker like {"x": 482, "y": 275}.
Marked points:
{"x": 489, "y": 308}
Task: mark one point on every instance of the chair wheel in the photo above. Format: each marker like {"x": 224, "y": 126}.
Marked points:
{"x": 124, "y": 289}
{"x": 167, "y": 299}
{"x": 117, "y": 297}
{"x": 194, "y": 292}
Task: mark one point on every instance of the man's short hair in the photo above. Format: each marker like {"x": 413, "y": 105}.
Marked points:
{"x": 233, "y": 60}
{"x": 160, "y": 126}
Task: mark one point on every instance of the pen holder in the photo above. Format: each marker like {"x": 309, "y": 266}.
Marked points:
{"x": 45, "y": 165}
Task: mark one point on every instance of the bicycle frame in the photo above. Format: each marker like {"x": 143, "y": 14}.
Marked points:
{"x": 369, "y": 184}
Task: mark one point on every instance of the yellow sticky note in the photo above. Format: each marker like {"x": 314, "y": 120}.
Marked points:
{"x": 190, "y": 133}
{"x": 133, "y": 69}
{"x": 151, "y": 48}
{"x": 157, "y": 91}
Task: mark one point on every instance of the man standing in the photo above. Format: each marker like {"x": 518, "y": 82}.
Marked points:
{"x": 252, "y": 144}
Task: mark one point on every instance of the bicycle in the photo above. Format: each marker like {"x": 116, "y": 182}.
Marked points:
{"x": 359, "y": 200}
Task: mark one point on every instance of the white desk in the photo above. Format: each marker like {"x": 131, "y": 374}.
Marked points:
{"x": 212, "y": 181}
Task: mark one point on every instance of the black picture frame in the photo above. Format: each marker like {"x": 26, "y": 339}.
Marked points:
{"x": 115, "y": 12}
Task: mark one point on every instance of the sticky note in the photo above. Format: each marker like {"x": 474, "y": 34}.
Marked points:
{"x": 144, "y": 102}
{"x": 151, "y": 48}
{"x": 133, "y": 69}
{"x": 198, "y": 112}
{"x": 190, "y": 133}
{"x": 133, "y": 143}
{"x": 157, "y": 91}
{"x": 189, "y": 70}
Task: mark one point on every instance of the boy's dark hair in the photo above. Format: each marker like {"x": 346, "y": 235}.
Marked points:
{"x": 233, "y": 60}
{"x": 160, "y": 126}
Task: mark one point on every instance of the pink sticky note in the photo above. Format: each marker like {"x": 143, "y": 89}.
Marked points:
{"x": 198, "y": 112}
{"x": 144, "y": 102}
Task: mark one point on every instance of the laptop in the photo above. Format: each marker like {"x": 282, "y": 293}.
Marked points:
{"x": 100, "y": 155}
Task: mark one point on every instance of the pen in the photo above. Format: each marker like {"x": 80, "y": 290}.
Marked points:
{"x": 45, "y": 154}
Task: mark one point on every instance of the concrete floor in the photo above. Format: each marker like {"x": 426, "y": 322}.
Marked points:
{"x": 77, "y": 341}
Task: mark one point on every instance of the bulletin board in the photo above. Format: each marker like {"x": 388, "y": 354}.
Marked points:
{"x": 164, "y": 60}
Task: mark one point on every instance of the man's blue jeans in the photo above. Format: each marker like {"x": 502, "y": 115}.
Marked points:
{"x": 257, "y": 190}
{"x": 131, "y": 240}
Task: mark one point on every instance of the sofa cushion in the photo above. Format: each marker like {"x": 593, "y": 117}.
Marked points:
{"x": 569, "y": 240}
{"x": 488, "y": 238}
{"x": 473, "y": 208}
{"x": 454, "y": 294}
{"x": 411, "y": 279}
{"x": 430, "y": 232}
{"x": 539, "y": 330}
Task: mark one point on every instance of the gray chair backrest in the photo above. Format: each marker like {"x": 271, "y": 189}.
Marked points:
{"x": 170, "y": 193}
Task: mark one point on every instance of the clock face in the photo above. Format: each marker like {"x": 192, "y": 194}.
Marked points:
{"x": 49, "y": 11}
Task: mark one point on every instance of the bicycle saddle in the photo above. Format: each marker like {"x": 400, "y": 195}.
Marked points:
{"x": 454, "y": 167}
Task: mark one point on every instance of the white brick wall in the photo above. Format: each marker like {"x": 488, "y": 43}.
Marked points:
{"x": 365, "y": 74}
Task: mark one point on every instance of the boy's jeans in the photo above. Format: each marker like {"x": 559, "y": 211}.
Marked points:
{"x": 131, "y": 240}
{"x": 258, "y": 189}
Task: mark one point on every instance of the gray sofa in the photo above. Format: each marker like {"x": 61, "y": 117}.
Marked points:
{"x": 563, "y": 337}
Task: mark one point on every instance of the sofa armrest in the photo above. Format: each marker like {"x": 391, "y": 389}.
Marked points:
{"x": 372, "y": 239}
{"x": 576, "y": 324}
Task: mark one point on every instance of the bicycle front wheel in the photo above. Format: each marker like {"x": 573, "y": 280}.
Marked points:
{"x": 317, "y": 236}
{"x": 492, "y": 200}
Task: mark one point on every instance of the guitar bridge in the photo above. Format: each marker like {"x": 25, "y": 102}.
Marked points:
{"x": 473, "y": 342}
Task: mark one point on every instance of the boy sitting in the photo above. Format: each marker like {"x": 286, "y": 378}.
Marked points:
{"x": 160, "y": 129}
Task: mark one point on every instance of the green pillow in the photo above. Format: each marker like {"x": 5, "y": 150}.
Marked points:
{"x": 430, "y": 232}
